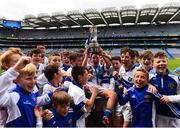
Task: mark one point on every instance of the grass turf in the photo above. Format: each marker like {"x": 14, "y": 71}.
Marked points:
{"x": 173, "y": 64}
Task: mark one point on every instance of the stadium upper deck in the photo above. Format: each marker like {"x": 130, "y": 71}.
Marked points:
{"x": 150, "y": 14}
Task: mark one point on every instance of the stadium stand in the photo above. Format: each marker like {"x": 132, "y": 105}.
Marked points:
{"x": 148, "y": 27}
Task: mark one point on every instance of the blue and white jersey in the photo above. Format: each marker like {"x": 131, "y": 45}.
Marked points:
{"x": 40, "y": 69}
{"x": 19, "y": 103}
{"x": 108, "y": 80}
{"x": 127, "y": 75}
{"x": 141, "y": 103}
{"x": 6, "y": 78}
{"x": 78, "y": 96}
{"x": 150, "y": 68}
{"x": 97, "y": 72}
{"x": 61, "y": 121}
{"x": 64, "y": 67}
{"x": 48, "y": 87}
{"x": 68, "y": 78}
{"x": 168, "y": 84}
{"x": 67, "y": 82}
{"x": 102, "y": 76}
{"x": 42, "y": 80}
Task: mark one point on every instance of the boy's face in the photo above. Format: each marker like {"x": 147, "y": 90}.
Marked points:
{"x": 116, "y": 65}
{"x": 13, "y": 60}
{"x": 95, "y": 59}
{"x": 36, "y": 58}
{"x": 83, "y": 79}
{"x": 160, "y": 64}
{"x": 147, "y": 61}
{"x": 59, "y": 76}
{"x": 78, "y": 61}
{"x": 55, "y": 60}
{"x": 27, "y": 82}
{"x": 126, "y": 59}
{"x": 65, "y": 60}
{"x": 140, "y": 79}
{"x": 63, "y": 109}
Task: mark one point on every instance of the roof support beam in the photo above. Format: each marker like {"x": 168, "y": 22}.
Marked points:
{"x": 137, "y": 17}
{"x": 59, "y": 21}
{"x": 155, "y": 15}
{"x": 87, "y": 19}
{"x": 73, "y": 20}
{"x": 174, "y": 15}
{"x": 103, "y": 19}
{"x": 120, "y": 20}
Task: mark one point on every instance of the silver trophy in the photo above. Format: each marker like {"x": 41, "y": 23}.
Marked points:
{"x": 94, "y": 46}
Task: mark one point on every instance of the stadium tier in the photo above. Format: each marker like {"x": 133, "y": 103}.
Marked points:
{"x": 148, "y": 27}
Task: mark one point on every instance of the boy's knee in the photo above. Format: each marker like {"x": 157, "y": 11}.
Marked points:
{"x": 110, "y": 94}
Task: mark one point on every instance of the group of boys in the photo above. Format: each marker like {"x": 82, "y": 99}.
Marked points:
{"x": 87, "y": 89}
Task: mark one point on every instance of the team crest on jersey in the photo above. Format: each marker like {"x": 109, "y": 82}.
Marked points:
{"x": 171, "y": 86}
{"x": 70, "y": 123}
{"x": 129, "y": 79}
{"x": 147, "y": 98}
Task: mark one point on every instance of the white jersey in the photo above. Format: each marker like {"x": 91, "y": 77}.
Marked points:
{"x": 6, "y": 79}
{"x": 18, "y": 105}
{"x": 40, "y": 69}
{"x": 78, "y": 96}
{"x": 47, "y": 88}
{"x": 127, "y": 75}
{"x": 41, "y": 80}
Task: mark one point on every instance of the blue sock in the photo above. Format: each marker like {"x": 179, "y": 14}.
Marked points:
{"x": 107, "y": 113}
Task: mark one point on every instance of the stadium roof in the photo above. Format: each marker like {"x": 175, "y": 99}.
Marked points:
{"x": 148, "y": 14}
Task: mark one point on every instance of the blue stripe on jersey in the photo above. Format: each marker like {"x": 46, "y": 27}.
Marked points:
{"x": 166, "y": 85}
{"x": 126, "y": 84}
{"x": 26, "y": 106}
{"x": 77, "y": 84}
{"x": 175, "y": 109}
{"x": 106, "y": 80}
{"x": 67, "y": 79}
{"x": 78, "y": 110}
{"x": 65, "y": 67}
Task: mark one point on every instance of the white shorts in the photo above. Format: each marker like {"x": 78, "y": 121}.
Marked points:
{"x": 124, "y": 111}
{"x": 165, "y": 121}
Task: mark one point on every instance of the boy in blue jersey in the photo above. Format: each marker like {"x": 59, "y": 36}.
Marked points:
{"x": 141, "y": 101}
{"x": 167, "y": 84}
{"x": 62, "y": 116}
{"x": 21, "y": 101}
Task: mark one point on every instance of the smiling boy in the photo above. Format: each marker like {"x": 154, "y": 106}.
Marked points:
{"x": 141, "y": 101}
{"x": 167, "y": 84}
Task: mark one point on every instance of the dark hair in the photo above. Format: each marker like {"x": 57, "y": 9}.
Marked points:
{"x": 136, "y": 53}
{"x": 146, "y": 54}
{"x": 160, "y": 55}
{"x": 76, "y": 71}
{"x": 128, "y": 50}
{"x": 35, "y": 51}
{"x": 116, "y": 58}
{"x": 50, "y": 70}
{"x": 60, "y": 98}
{"x": 73, "y": 56}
